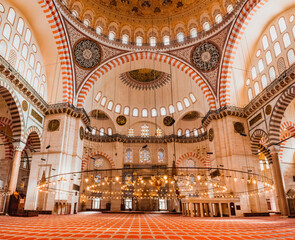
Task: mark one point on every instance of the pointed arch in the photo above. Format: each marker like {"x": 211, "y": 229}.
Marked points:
{"x": 8, "y": 147}
{"x": 59, "y": 33}
{"x": 290, "y": 126}
{"x": 87, "y": 158}
{"x": 17, "y": 119}
{"x": 120, "y": 60}
{"x": 238, "y": 29}
{"x": 33, "y": 137}
{"x": 205, "y": 161}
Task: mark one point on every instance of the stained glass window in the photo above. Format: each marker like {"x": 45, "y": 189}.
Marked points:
{"x": 145, "y": 155}
{"x": 161, "y": 155}
{"x": 128, "y": 155}
{"x": 145, "y": 132}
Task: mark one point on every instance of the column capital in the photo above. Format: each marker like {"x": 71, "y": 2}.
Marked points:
{"x": 274, "y": 149}
{"x": 18, "y": 146}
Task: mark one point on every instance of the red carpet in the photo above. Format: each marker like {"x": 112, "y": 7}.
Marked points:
{"x": 146, "y": 226}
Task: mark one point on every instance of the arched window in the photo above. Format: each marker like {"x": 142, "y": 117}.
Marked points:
{"x": 272, "y": 74}
{"x": 118, "y": 108}
{"x": 268, "y": 57}
{"x": 256, "y": 88}
{"x": 187, "y": 133}
{"x": 264, "y": 42}
{"x": 179, "y": 106}
{"x": 16, "y": 41}
{"x": 29, "y": 76}
{"x": 12, "y": 58}
{"x": 229, "y": 8}
{"x": 103, "y": 101}
{"x": 20, "y": 26}
{"x": 1, "y": 8}
{"x": 112, "y": 35}
{"x": 180, "y": 37}
{"x": 206, "y": 26}
{"x": 250, "y": 94}
{"x": 126, "y": 111}
{"x": 291, "y": 56}
{"x": 254, "y": 73}
{"x": 171, "y": 109}
{"x": 282, "y": 24}
{"x": 144, "y": 113}
{"x": 42, "y": 90}
{"x": 192, "y": 97}
{"x": 179, "y": 132}
{"x": 28, "y": 36}
{"x": 163, "y": 111}
{"x": 152, "y": 41}
{"x": 260, "y": 65}
{"x": 193, "y": 33}
{"x": 32, "y": 60}
{"x": 98, "y": 96}
{"x": 166, "y": 40}
{"x": 38, "y": 68}
{"x": 125, "y": 39}
{"x": 145, "y": 131}
{"x": 128, "y": 155}
{"x": 7, "y": 31}
{"x": 273, "y": 33}
{"x": 144, "y": 155}
{"x": 218, "y": 18}
{"x": 130, "y": 132}
{"x": 159, "y": 132}
{"x": 110, "y": 131}
{"x": 154, "y": 112}
{"x": 196, "y": 132}
{"x": 3, "y": 48}
{"x": 161, "y": 155}
{"x": 36, "y": 84}
{"x": 248, "y": 82}
{"x": 110, "y": 105}
{"x": 25, "y": 51}
{"x": 93, "y": 131}
{"x": 286, "y": 40}
{"x": 293, "y": 30}
{"x": 98, "y": 30}
{"x": 101, "y": 132}
{"x": 135, "y": 112}
{"x": 264, "y": 81}
{"x": 11, "y": 16}
{"x": 277, "y": 49}
{"x": 75, "y": 13}
{"x": 139, "y": 41}
{"x": 21, "y": 67}
{"x": 186, "y": 102}
{"x": 86, "y": 22}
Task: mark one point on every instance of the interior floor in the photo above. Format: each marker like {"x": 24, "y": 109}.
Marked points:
{"x": 93, "y": 225}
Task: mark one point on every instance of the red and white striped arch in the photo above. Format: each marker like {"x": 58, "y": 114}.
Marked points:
{"x": 290, "y": 127}
{"x": 62, "y": 46}
{"x": 8, "y": 147}
{"x": 97, "y": 153}
{"x": 205, "y": 161}
{"x": 245, "y": 16}
{"x": 123, "y": 59}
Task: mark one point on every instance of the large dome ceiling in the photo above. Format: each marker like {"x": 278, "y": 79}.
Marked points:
{"x": 150, "y": 18}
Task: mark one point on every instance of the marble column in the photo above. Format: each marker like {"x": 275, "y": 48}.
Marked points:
{"x": 220, "y": 209}
{"x": 278, "y": 181}
{"x": 18, "y": 148}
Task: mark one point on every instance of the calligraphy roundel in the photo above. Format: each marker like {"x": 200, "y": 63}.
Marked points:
{"x": 206, "y": 56}
{"x": 87, "y": 53}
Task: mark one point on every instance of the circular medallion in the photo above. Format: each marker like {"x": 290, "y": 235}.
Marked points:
{"x": 239, "y": 127}
{"x": 25, "y": 105}
{"x": 168, "y": 121}
{"x": 121, "y": 120}
{"x": 98, "y": 162}
{"x": 206, "y": 56}
{"x": 87, "y": 53}
{"x": 53, "y": 125}
{"x": 268, "y": 109}
{"x": 211, "y": 134}
{"x": 81, "y": 133}
{"x": 190, "y": 163}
